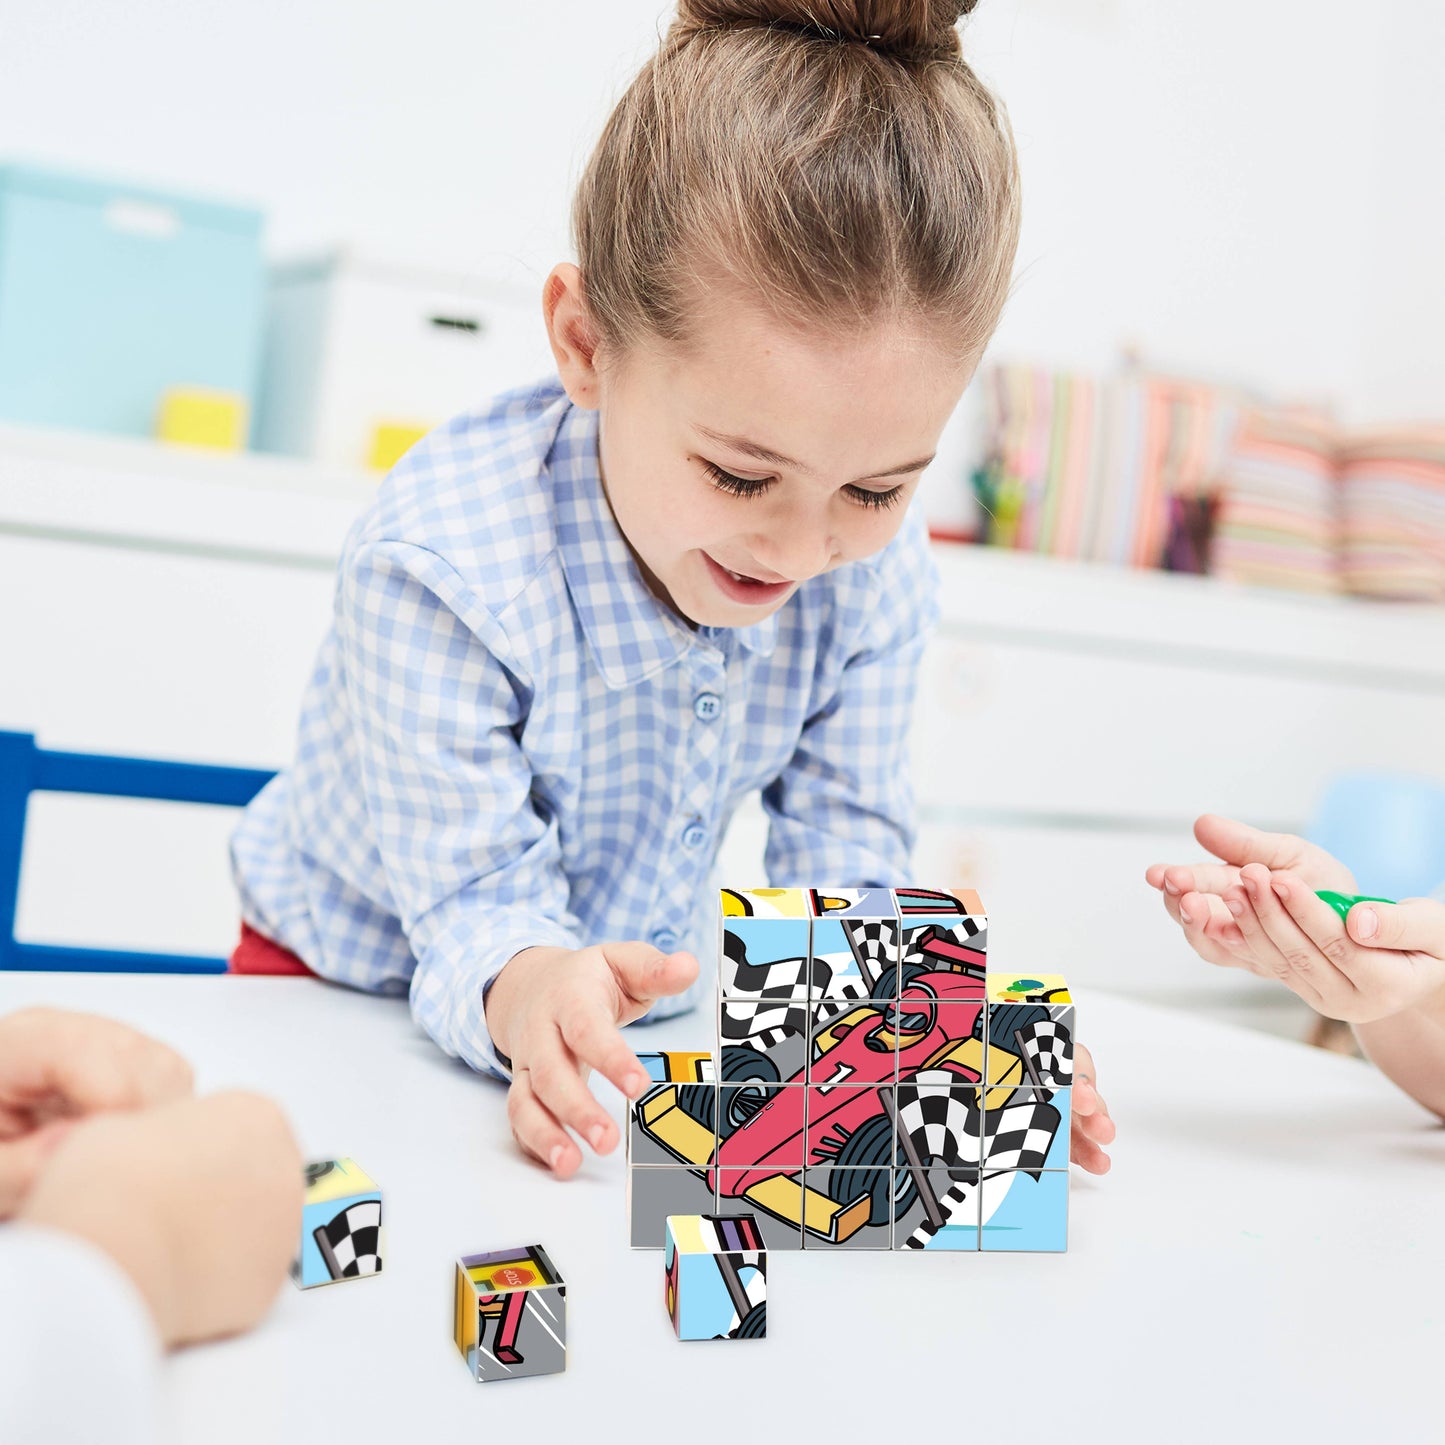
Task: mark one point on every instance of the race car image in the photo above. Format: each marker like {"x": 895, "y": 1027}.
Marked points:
{"x": 891, "y": 1092}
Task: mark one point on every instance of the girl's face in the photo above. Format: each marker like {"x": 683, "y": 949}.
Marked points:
{"x": 760, "y": 457}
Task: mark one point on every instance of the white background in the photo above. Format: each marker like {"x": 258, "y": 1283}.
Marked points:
{"x": 1247, "y": 188}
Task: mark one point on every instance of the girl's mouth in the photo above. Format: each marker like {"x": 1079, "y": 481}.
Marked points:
{"x": 739, "y": 587}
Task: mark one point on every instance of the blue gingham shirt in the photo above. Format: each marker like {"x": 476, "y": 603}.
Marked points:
{"x": 508, "y": 740}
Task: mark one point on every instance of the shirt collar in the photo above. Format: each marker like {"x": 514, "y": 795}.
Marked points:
{"x": 632, "y": 635}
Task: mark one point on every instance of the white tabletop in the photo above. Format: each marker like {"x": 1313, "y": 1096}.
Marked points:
{"x": 1266, "y": 1256}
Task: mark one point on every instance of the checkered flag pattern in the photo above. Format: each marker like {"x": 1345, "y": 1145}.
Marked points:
{"x": 941, "y": 1115}
{"x": 772, "y": 990}
{"x": 1022, "y": 1134}
{"x": 1050, "y": 1048}
{"x": 351, "y": 1243}
{"x": 764, "y": 1028}
{"x": 870, "y": 943}
{"x": 960, "y": 1197}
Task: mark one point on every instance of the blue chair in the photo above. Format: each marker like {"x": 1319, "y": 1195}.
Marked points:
{"x": 1388, "y": 828}
{"x": 26, "y": 769}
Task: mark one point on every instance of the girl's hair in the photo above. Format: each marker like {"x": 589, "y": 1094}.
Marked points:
{"x": 839, "y": 161}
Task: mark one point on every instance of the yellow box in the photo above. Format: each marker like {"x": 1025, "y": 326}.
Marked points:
{"x": 391, "y": 441}
{"x": 195, "y": 416}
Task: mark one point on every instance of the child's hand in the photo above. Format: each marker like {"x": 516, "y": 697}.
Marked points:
{"x": 56, "y": 1067}
{"x": 555, "y": 1013}
{"x": 199, "y": 1202}
{"x": 1380, "y": 960}
{"x": 1092, "y": 1125}
{"x": 1194, "y": 893}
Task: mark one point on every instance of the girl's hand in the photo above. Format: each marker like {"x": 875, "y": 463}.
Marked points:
{"x": 58, "y": 1067}
{"x": 1206, "y": 921}
{"x": 1092, "y": 1126}
{"x": 555, "y": 1013}
{"x": 1382, "y": 959}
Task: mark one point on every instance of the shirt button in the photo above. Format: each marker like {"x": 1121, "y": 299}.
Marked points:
{"x": 665, "y": 939}
{"x": 694, "y": 835}
{"x": 707, "y": 705}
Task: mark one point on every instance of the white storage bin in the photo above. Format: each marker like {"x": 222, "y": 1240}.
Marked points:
{"x": 354, "y": 344}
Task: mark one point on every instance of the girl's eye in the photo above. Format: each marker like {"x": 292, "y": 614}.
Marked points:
{"x": 755, "y": 487}
{"x": 865, "y": 498}
{"x": 737, "y": 486}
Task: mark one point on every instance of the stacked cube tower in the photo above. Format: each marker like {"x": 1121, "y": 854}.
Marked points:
{"x": 872, "y": 1085}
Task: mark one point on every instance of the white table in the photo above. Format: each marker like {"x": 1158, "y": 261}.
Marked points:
{"x": 1266, "y": 1260}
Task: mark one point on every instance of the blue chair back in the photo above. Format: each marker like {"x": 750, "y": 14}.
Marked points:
{"x": 26, "y": 768}
{"x": 1388, "y": 828}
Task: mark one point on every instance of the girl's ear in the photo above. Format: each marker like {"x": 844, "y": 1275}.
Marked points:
{"x": 572, "y": 335}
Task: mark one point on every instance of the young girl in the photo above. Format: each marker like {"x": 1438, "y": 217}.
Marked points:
{"x": 577, "y": 628}
{"x": 1381, "y": 968}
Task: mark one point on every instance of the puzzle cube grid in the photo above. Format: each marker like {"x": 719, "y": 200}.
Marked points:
{"x": 863, "y": 1049}
{"x": 341, "y": 1234}
{"x": 510, "y": 1314}
{"x": 715, "y": 1273}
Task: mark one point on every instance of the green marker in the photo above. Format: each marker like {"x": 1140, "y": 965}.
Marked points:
{"x": 1343, "y": 902}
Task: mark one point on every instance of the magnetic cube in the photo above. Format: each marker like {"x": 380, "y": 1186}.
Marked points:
{"x": 874, "y": 1086}
{"x": 1030, "y": 1030}
{"x": 943, "y": 933}
{"x": 673, "y": 1121}
{"x": 855, "y": 944}
{"x": 716, "y": 1268}
{"x": 340, "y": 1225}
{"x": 510, "y": 1314}
{"x": 1024, "y": 1212}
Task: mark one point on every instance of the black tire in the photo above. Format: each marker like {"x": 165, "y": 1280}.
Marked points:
{"x": 754, "y": 1324}
{"x": 699, "y": 1101}
{"x": 754, "y": 1080}
{"x": 863, "y": 1164}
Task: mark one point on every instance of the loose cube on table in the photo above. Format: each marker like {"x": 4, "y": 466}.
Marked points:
{"x": 340, "y": 1225}
{"x": 715, "y": 1269}
{"x": 510, "y": 1314}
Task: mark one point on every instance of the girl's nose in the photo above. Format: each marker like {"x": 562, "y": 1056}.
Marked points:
{"x": 794, "y": 552}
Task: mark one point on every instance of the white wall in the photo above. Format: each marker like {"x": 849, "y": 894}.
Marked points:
{"x": 1246, "y": 188}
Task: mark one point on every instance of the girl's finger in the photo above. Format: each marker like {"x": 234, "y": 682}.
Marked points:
{"x": 1196, "y": 911}
{"x": 1200, "y": 878}
{"x": 600, "y": 1046}
{"x": 1087, "y": 1154}
{"x": 559, "y": 1086}
{"x": 537, "y": 1132}
{"x": 1258, "y": 948}
{"x": 1307, "y": 971}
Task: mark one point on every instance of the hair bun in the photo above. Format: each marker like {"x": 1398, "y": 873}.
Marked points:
{"x": 907, "y": 29}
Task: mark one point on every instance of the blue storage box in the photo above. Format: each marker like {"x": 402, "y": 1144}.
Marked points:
{"x": 111, "y": 294}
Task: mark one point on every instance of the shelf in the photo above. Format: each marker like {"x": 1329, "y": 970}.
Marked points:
{"x": 121, "y": 491}
{"x": 1025, "y": 598}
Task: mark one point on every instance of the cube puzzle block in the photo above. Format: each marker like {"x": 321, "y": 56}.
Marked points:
{"x": 1023, "y": 1212}
{"x": 510, "y": 1314}
{"x": 949, "y": 926}
{"x": 673, "y": 1125}
{"x": 656, "y": 1191}
{"x": 1030, "y": 1031}
{"x": 937, "y": 1209}
{"x": 715, "y": 1268}
{"x": 870, "y": 1113}
{"x": 340, "y": 1225}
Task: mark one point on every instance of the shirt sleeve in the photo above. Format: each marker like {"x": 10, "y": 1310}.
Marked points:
{"x": 68, "y": 1313}
{"x": 437, "y": 704}
{"x": 841, "y": 812}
